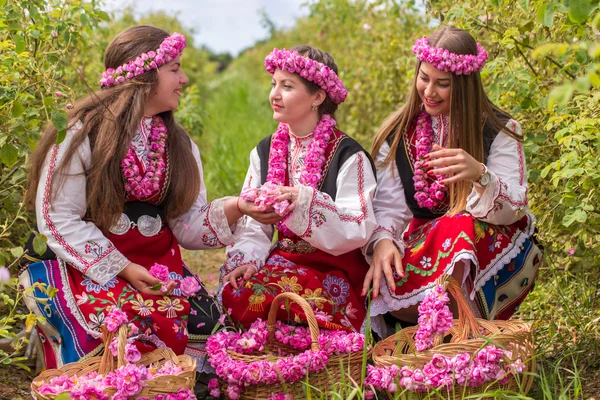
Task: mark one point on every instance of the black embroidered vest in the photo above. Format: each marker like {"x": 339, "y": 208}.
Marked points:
{"x": 340, "y": 148}
{"x": 405, "y": 171}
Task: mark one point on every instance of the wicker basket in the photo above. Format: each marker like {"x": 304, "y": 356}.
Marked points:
{"x": 107, "y": 363}
{"x": 339, "y": 368}
{"x": 467, "y": 335}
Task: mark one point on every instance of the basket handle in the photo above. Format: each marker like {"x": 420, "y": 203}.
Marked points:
{"x": 107, "y": 364}
{"x": 308, "y": 312}
{"x": 467, "y": 322}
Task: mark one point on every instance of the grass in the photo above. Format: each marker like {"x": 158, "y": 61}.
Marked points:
{"x": 238, "y": 116}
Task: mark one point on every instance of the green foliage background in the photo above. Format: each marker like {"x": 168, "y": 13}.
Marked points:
{"x": 544, "y": 68}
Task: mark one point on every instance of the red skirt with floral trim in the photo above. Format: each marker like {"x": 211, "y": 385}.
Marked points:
{"x": 80, "y": 306}
{"x": 330, "y": 284}
{"x": 434, "y": 246}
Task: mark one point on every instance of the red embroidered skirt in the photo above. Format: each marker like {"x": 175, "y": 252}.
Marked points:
{"x": 433, "y": 247}
{"x": 330, "y": 284}
{"x": 80, "y": 306}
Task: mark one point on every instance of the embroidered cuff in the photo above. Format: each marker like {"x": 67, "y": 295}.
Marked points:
{"x": 299, "y": 221}
{"x": 237, "y": 260}
{"x": 107, "y": 268}
{"x": 380, "y": 234}
{"x": 480, "y": 206}
{"x": 217, "y": 221}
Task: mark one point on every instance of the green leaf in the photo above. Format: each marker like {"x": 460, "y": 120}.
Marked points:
{"x": 17, "y": 109}
{"x": 9, "y": 154}
{"x": 545, "y": 14}
{"x": 576, "y": 216}
{"x": 60, "y": 136}
{"x": 596, "y": 22}
{"x": 35, "y": 34}
{"x": 19, "y": 44}
{"x": 2, "y": 3}
{"x": 560, "y": 95}
{"x": 48, "y": 101}
{"x": 524, "y": 4}
{"x": 579, "y": 10}
{"x": 16, "y": 251}
{"x": 59, "y": 120}
{"x": 103, "y": 15}
{"x": 63, "y": 396}
{"x": 595, "y": 79}
{"x": 39, "y": 244}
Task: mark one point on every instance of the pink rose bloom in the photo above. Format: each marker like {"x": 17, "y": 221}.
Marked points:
{"x": 249, "y": 194}
{"x": 87, "y": 393}
{"x": 160, "y": 272}
{"x": 132, "y": 354}
{"x": 115, "y": 319}
{"x": 189, "y": 286}
{"x": 281, "y": 207}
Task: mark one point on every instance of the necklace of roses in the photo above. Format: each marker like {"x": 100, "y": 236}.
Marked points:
{"x": 313, "y": 161}
{"x": 144, "y": 186}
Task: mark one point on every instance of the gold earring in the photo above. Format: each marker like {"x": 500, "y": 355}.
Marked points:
{"x": 314, "y": 107}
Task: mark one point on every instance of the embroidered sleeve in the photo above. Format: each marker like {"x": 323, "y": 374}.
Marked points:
{"x": 60, "y": 208}
{"x": 391, "y": 211}
{"x": 204, "y": 225}
{"x": 504, "y": 200}
{"x": 252, "y": 240}
{"x": 345, "y": 224}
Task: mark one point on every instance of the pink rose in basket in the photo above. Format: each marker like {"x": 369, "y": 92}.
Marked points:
{"x": 115, "y": 319}
{"x": 132, "y": 354}
{"x": 189, "y": 286}
{"x": 213, "y": 386}
{"x": 129, "y": 380}
{"x": 160, "y": 272}
{"x": 87, "y": 393}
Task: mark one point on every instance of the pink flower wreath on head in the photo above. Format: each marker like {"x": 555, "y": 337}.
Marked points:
{"x": 169, "y": 49}
{"x": 444, "y": 60}
{"x": 309, "y": 69}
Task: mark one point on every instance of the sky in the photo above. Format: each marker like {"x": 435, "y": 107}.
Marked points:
{"x": 223, "y": 25}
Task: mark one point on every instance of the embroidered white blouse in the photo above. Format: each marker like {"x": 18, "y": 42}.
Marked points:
{"x": 503, "y": 202}
{"x": 60, "y": 211}
{"x": 335, "y": 227}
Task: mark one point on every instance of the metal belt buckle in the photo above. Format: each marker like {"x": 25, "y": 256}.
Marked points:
{"x": 302, "y": 247}
{"x": 147, "y": 225}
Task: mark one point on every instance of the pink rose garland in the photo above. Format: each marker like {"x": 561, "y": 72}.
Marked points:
{"x": 309, "y": 69}
{"x": 313, "y": 161}
{"x": 170, "y": 48}
{"x": 489, "y": 364}
{"x": 426, "y": 195}
{"x": 143, "y": 187}
{"x": 239, "y": 374}
{"x": 444, "y": 60}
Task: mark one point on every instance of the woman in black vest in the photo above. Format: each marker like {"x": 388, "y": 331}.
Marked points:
{"x": 329, "y": 181}
{"x": 452, "y": 191}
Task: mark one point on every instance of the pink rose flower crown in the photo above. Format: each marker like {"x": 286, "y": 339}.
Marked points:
{"x": 444, "y": 60}
{"x": 171, "y": 47}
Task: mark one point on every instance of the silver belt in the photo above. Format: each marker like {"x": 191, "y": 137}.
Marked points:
{"x": 147, "y": 225}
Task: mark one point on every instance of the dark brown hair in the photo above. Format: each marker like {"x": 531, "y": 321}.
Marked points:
{"x": 470, "y": 109}
{"x": 110, "y": 119}
{"x": 327, "y": 106}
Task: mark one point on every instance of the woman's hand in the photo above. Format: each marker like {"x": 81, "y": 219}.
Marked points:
{"x": 267, "y": 217}
{"x": 140, "y": 278}
{"x": 245, "y": 271}
{"x": 456, "y": 164}
{"x": 385, "y": 255}
{"x": 290, "y": 194}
